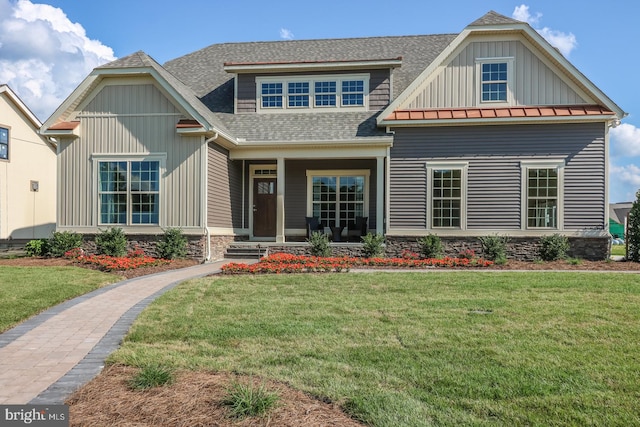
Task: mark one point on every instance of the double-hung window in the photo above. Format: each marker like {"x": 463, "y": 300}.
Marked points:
{"x": 447, "y": 189}
{"x": 326, "y": 94}
{"x": 495, "y": 79}
{"x": 271, "y": 95}
{"x": 542, "y": 188}
{"x": 338, "y": 197}
{"x": 129, "y": 192}
{"x": 298, "y": 94}
{"x": 352, "y": 92}
{"x": 4, "y": 143}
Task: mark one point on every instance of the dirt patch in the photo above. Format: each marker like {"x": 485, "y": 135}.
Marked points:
{"x": 194, "y": 399}
{"x": 567, "y": 265}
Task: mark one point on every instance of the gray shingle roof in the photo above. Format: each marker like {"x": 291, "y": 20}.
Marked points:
{"x": 494, "y": 18}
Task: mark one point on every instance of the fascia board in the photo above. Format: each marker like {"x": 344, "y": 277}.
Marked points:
{"x": 89, "y": 81}
{"x": 21, "y": 105}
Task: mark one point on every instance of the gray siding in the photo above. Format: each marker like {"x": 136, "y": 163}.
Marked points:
{"x": 494, "y": 154}
{"x": 224, "y": 189}
{"x": 379, "y": 89}
{"x": 534, "y": 83}
{"x": 131, "y": 119}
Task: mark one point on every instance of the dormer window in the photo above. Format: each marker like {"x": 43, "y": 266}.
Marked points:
{"x": 308, "y": 93}
{"x": 494, "y": 77}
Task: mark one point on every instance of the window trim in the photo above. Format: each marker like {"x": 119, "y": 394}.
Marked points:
{"x": 525, "y": 165}
{"x": 510, "y": 61}
{"x": 338, "y": 173}
{"x": 8, "y": 143}
{"x": 312, "y": 80}
{"x": 97, "y": 159}
{"x": 438, "y": 165}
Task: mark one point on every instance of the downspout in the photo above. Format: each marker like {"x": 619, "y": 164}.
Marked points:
{"x": 205, "y": 205}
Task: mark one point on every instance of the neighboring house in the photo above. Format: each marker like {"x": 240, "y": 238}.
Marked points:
{"x": 618, "y": 219}
{"x": 490, "y": 131}
{"x": 27, "y": 173}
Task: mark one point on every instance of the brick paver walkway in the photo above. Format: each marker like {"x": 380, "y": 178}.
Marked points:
{"x": 49, "y": 356}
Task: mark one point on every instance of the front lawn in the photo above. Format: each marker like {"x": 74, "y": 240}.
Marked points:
{"x": 619, "y": 250}
{"x": 26, "y": 291}
{"x": 436, "y": 348}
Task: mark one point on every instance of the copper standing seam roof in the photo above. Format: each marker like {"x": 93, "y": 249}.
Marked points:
{"x": 188, "y": 124}
{"x": 65, "y": 126}
{"x": 501, "y": 112}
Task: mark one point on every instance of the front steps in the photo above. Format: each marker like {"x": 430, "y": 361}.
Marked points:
{"x": 246, "y": 251}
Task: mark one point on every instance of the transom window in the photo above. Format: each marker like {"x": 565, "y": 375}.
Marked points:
{"x": 337, "y": 199}
{"x": 311, "y": 92}
{"x": 446, "y": 198}
{"x": 129, "y": 192}
{"x": 4, "y": 143}
{"x": 542, "y": 198}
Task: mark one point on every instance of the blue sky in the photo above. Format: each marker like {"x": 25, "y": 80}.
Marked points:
{"x": 48, "y": 47}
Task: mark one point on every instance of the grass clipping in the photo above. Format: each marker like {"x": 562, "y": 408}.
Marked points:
{"x": 193, "y": 399}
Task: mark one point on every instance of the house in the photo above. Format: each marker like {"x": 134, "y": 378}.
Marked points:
{"x": 489, "y": 131}
{"x": 618, "y": 213}
{"x": 27, "y": 173}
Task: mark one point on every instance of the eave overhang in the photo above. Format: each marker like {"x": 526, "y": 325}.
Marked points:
{"x": 298, "y": 66}
{"x": 69, "y": 129}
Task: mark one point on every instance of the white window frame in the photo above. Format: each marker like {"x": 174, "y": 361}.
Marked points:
{"x": 97, "y": 159}
{"x": 510, "y": 61}
{"x": 339, "y": 173}
{"x": 437, "y": 165}
{"x": 337, "y": 78}
{"x": 525, "y": 166}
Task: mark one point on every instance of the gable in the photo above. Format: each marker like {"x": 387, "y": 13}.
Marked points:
{"x": 137, "y": 96}
{"x": 533, "y": 79}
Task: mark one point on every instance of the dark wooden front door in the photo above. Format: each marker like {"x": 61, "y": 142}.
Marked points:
{"x": 264, "y": 207}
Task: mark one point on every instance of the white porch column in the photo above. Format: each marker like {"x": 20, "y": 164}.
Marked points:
{"x": 280, "y": 202}
{"x": 380, "y": 192}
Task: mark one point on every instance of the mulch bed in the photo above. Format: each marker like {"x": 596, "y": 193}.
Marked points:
{"x": 193, "y": 399}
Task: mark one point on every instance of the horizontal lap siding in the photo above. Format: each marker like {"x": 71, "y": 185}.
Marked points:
{"x": 494, "y": 154}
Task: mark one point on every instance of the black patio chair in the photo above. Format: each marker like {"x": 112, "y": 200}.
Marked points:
{"x": 357, "y": 228}
{"x": 313, "y": 225}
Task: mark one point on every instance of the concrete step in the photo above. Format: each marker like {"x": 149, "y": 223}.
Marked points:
{"x": 246, "y": 251}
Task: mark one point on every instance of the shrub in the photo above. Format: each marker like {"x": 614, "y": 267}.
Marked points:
{"x": 494, "y": 248}
{"x": 37, "y": 247}
{"x": 248, "y": 400}
{"x": 430, "y": 246}
{"x": 151, "y": 376}
{"x": 633, "y": 231}
{"x": 173, "y": 244}
{"x": 112, "y": 242}
{"x": 372, "y": 245}
{"x": 319, "y": 244}
{"x": 63, "y": 241}
{"x": 553, "y": 247}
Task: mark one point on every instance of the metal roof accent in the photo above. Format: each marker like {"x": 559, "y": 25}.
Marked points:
{"x": 499, "y": 112}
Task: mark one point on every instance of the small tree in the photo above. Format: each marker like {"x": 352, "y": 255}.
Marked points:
{"x": 372, "y": 245}
{"x": 173, "y": 244}
{"x": 633, "y": 231}
{"x": 430, "y": 246}
{"x": 319, "y": 243}
{"x": 112, "y": 242}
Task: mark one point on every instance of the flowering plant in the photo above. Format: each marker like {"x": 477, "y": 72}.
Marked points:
{"x": 135, "y": 259}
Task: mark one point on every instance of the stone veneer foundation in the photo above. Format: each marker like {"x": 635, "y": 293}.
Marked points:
{"x": 195, "y": 244}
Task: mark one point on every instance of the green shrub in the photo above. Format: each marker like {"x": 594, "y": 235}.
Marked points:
{"x": 249, "y": 400}
{"x": 151, "y": 376}
{"x": 173, "y": 244}
{"x": 633, "y": 230}
{"x": 494, "y": 248}
{"x": 319, "y": 244}
{"x": 37, "y": 247}
{"x": 63, "y": 241}
{"x": 372, "y": 245}
{"x": 553, "y": 247}
{"x": 112, "y": 242}
{"x": 430, "y": 246}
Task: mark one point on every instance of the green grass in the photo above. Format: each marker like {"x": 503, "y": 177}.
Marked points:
{"x": 618, "y": 250}
{"x": 26, "y": 291}
{"x": 396, "y": 349}
{"x": 151, "y": 376}
{"x": 249, "y": 399}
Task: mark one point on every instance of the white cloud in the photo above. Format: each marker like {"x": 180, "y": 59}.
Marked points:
{"x": 563, "y": 41}
{"x": 624, "y": 182}
{"x": 43, "y": 55}
{"x": 286, "y": 34}
{"x": 625, "y": 141}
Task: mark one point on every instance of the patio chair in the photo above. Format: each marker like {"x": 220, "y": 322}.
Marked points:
{"x": 313, "y": 225}
{"x": 357, "y": 228}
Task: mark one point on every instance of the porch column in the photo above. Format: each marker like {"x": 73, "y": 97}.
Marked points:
{"x": 380, "y": 201}
{"x": 280, "y": 202}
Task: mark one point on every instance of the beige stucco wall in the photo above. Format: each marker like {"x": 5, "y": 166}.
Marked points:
{"x": 26, "y": 214}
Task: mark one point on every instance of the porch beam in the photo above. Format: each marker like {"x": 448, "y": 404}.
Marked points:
{"x": 380, "y": 192}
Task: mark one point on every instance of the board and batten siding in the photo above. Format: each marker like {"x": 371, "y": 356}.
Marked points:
{"x": 494, "y": 155}
{"x": 224, "y": 189}
{"x": 379, "y": 89}
{"x": 131, "y": 119}
{"x": 456, "y": 84}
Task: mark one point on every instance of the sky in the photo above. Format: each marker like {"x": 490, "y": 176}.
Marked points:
{"x": 47, "y": 48}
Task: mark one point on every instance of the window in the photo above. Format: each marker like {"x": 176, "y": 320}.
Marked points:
{"x": 306, "y": 93}
{"x": 542, "y": 194}
{"x": 446, "y": 183}
{"x": 338, "y": 197}
{"x": 494, "y": 76}
{"x": 4, "y": 143}
{"x": 129, "y": 192}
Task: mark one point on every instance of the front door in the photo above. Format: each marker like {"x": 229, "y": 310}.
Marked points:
{"x": 264, "y": 207}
